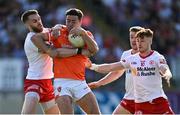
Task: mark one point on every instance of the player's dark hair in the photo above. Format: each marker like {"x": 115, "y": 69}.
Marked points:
{"x": 144, "y": 32}
{"x": 26, "y": 14}
{"x": 135, "y": 28}
{"x": 75, "y": 12}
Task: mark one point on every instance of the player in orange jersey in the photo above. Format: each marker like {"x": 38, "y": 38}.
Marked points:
{"x": 70, "y": 85}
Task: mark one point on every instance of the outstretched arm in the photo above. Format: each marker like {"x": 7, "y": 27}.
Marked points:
{"x": 165, "y": 73}
{"x": 105, "y": 68}
{"x": 67, "y": 52}
{"x": 110, "y": 77}
{"x": 164, "y": 69}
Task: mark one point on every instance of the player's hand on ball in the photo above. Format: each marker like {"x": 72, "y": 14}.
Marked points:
{"x": 76, "y": 37}
{"x": 94, "y": 85}
{"x": 76, "y": 40}
{"x": 55, "y": 31}
{"x": 77, "y": 31}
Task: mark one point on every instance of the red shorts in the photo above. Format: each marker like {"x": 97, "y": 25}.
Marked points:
{"x": 129, "y": 105}
{"x": 43, "y": 87}
{"x": 156, "y": 106}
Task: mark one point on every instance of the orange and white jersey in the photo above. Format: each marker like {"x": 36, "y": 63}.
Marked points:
{"x": 72, "y": 67}
{"x": 146, "y": 76}
{"x": 40, "y": 64}
{"x": 129, "y": 87}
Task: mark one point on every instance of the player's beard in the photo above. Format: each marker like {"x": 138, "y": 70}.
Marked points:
{"x": 37, "y": 30}
{"x": 134, "y": 47}
{"x": 143, "y": 50}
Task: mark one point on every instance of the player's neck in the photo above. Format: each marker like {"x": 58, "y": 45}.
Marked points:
{"x": 133, "y": 51}
{"x": 146, "y": 53}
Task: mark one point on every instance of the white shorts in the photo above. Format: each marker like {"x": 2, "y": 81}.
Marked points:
{"x": 73, "y": 88}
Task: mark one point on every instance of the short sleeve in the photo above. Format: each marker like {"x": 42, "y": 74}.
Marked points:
{"x": 161, "y": 60}
{"x": 126, "y": 62}
{"x": 90, "y": 34}
{"x": 122, "y": 56}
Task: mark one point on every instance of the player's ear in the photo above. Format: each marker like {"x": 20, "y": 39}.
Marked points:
{"x": 27, "y": 25}
{"x": 150, "y": 40}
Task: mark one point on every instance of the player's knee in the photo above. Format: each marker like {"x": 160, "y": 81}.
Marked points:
{"x": 50, "y": 107}
{"x": 52, "y": 110}
{"x": 65, "y": 100}
{"x": 31, "y": 99}
{"x": 32, "y": 96}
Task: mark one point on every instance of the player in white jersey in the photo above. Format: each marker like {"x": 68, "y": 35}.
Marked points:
{"x": 148, "y": 67}
{"x": 38, "y": 84}
{"x": 127, "y": 105}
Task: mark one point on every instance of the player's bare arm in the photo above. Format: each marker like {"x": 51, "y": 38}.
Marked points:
{"x": 67, "y": 52}
{"x": 110, "y": 77}
{"x": 89, "y": 40}
{"x": 38, "y": 40}
{"x": 165, "y": 73}
{"x": 106, "y": 68}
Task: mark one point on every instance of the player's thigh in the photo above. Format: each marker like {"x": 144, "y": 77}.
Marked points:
{"x": 65, "y": 104}
{"x": 50, "y": 107}
{"x": 30, "y": 102}
{"x": 89, "y": 104}
{"x": 120, "y": 110}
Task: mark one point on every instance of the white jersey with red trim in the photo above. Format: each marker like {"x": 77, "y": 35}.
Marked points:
{"x": 129, "y": 87}
{"x": 146, "y": 76}
{"x": 40, "y": 64}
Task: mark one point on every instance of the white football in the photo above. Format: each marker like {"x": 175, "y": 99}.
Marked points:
{"x": 76, "y": 40}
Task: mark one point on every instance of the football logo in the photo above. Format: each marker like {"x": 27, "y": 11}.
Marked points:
{"x": 59, "y": 89}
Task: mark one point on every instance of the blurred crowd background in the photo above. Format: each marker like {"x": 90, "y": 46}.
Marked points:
{"x": 108, "y": 20}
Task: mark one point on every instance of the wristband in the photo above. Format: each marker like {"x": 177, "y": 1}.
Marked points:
{"x": 94, "y": 67}
{"x": 79, "y": 51}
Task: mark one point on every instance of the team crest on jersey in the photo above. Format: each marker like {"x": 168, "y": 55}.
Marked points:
{"x": 142, "y": 63}
{"x": 59, "y": 89}
{"x": 151, "y": 62}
